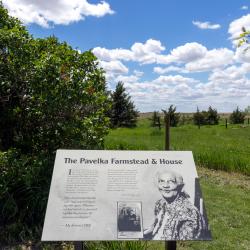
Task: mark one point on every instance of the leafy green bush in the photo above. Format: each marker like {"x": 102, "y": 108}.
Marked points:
{"x": 210, "y": 117}
{"x": 51, "y": 97}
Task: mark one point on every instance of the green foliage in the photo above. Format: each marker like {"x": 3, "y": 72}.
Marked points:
{"x": 174, "y": 117}
{"x": 51, "y": 97}
{"x": 198, "y": 117}
{"x": 155, "y": 119}
{"x": 212, "y": 116}
{"x": 243, "y": 39}
{"x": 123, "y": 112}
{"x": 237, "y": 116}
{"x": 24, "y": 186}
{"x": 209, "y": 117}
{"x": 112, "y": 245}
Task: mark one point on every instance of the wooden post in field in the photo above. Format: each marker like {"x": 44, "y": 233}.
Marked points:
{"x": 169, "y": 245}
{"x": 248, "y": 121}
{"x": 226, "y": 122}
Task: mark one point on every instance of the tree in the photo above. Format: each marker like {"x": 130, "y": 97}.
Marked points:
{"x": 237, "y": 116}
{"x": 155, "y": 119}
{"x": 212, "y": 117}
{"x": 51, "y": 97}
{"x": 123, "y": 112}
{"x": 209, "y": 117}
{"x": 198, "y": 118}
{"x": 174, "y": 117}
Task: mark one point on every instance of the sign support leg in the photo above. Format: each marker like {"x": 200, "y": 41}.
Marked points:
{"x": 170, "y": 245}
{"x": 79, "y": 245}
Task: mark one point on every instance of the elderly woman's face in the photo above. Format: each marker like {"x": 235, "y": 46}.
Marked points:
{"x": 168, "y": 185}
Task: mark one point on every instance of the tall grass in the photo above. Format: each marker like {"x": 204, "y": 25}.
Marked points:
{"x": 213, "y": 147}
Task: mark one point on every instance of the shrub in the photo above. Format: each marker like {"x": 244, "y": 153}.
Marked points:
{"x": 155, "y": 119}
{"x": 209, "y": 117}
{"x": 51, "y": 97}
{"x": 212, "y": 117}
{"x": 174, "y": 117}
{"x": 237, "y": 116}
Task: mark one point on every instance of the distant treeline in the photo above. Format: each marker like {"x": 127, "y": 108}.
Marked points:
{"x": 204, "y": 117}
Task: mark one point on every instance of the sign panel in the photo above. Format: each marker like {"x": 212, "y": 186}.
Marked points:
{"x": 125, "y": 195}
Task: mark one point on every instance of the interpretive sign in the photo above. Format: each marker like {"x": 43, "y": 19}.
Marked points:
{"x": 125, "y": 195}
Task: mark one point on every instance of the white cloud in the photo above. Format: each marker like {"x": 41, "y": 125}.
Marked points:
{"x": 44, "y": 12}
{"x": 113, "y": 54}
{"x": 244, "y": 7}
{"x": 183, "y": 54}
{"x": 160, "y": 70}
{"x": 235, "y": 27}
{"x": 206, "y": 25}
{"x": 230, "y": 86}
{"x": 150, "y": 52}
{"x": 227, "y": 81}
{"x": 186, "y": 53}
{"x": 242, "y": 54}
{"x": 151, "y": 46}
{"x": 127, "y": 79}
{"x": 114, "y": 67}
{"x": 144, "y": 53}
{"x": 147, "y": 53}
{"x": 232, "y": 77}
{"x": 222, "y": 88}
{"x": 215, "y": 58}
{"x": 173, "y": 80}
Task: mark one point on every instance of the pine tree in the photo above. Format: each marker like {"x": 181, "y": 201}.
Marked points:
{"x": 174, "y": 117}
{"x": 212, "y": 116}
{"x": 237, "y": 116}
{"x": 198, "y": 117}
{"x": 123, "y": 113}
{"x": 155, "y": 119}
{"x": 209, "y": 117}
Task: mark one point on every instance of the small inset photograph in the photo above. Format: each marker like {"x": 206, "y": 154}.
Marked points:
{"x": 129, "y": 220}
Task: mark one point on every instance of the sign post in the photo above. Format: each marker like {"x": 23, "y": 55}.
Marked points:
{"x": 79, "y": 245}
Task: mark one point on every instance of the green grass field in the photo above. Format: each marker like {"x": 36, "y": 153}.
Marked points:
{"x": 213, "y": 147}
{"x": 226, "y": 193}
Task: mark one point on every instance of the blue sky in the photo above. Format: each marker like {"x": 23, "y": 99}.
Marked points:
{"x": 166, "y": 52}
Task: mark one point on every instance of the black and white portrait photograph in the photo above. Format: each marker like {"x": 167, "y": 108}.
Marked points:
{"x": 175, "y": 216}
